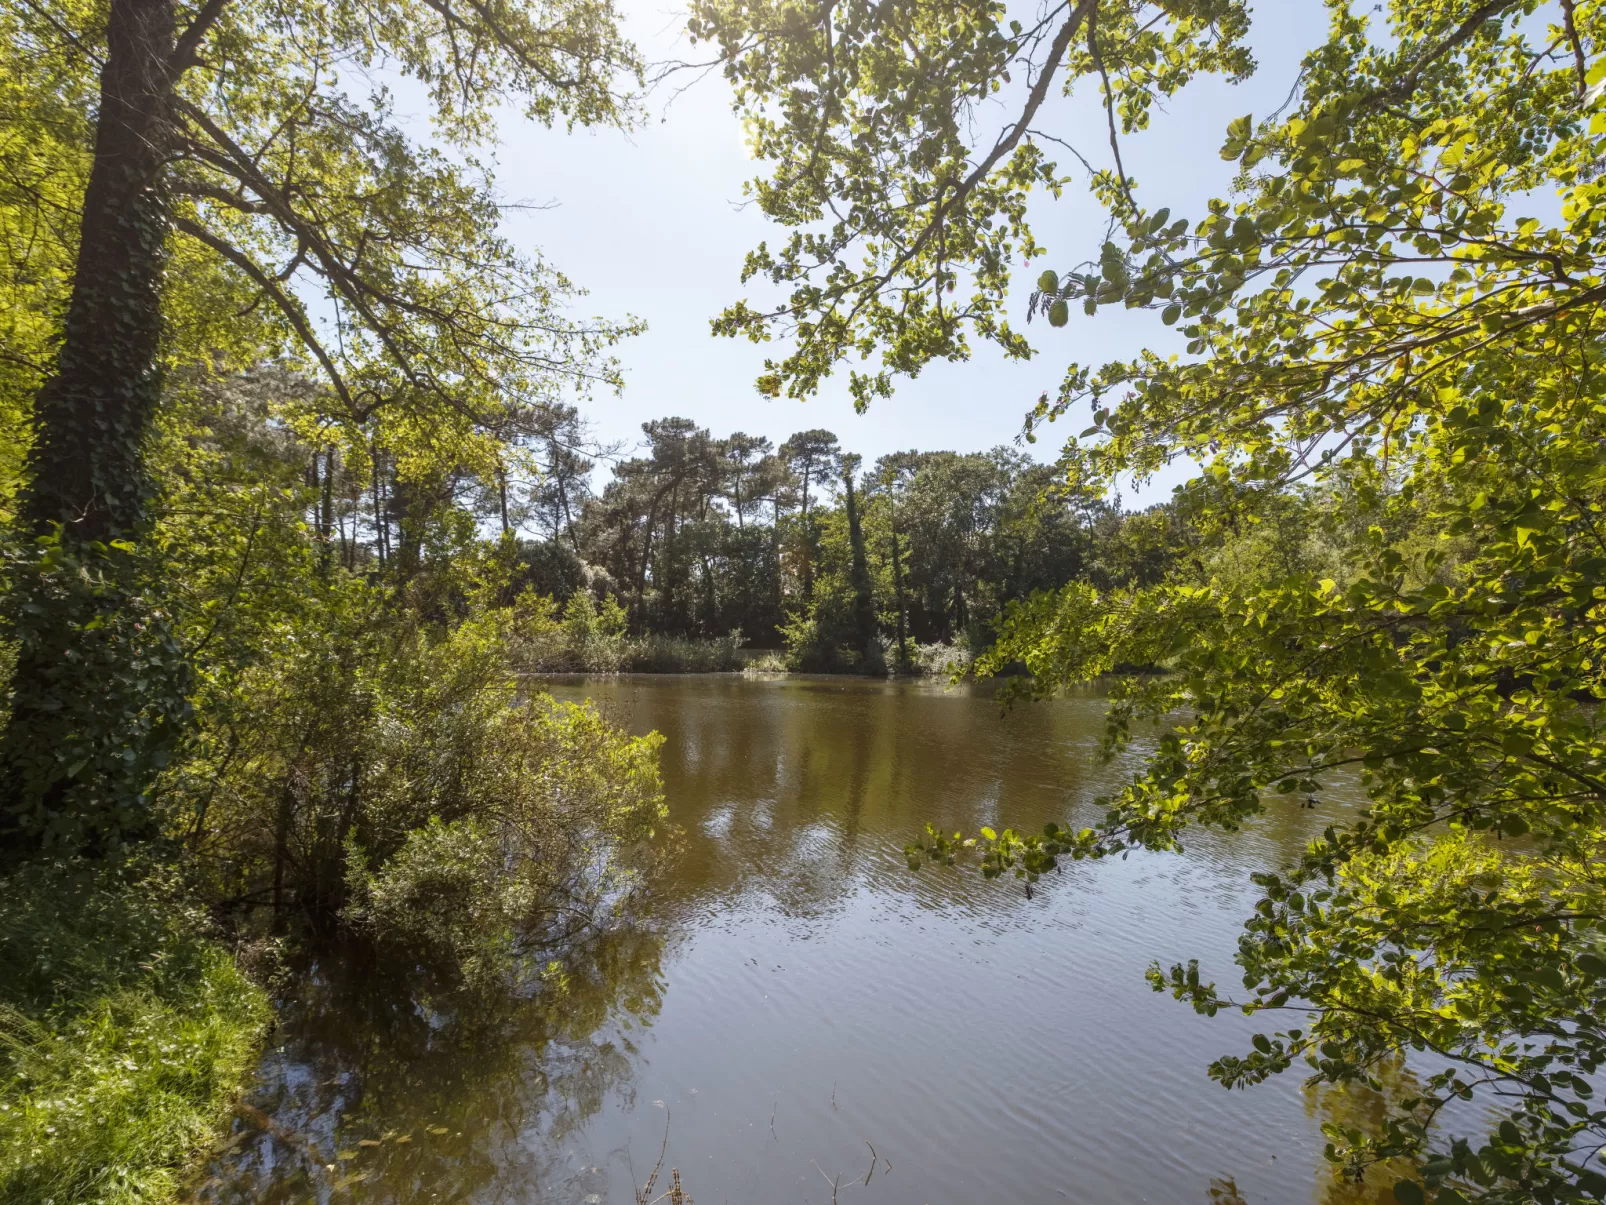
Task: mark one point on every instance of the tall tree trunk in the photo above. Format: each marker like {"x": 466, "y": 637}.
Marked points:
{"x": 501, "y": 495}
{"x": 903, "y": 607}
{"x": 808, "y": 547}
{"x": 864, "y": 619}
{"x": 87, "y": 730}
{"x": 775, "y": 557}
{"x": 326, "y": 510}
{"x": 568, "y": 519}
{"x": 87, "y": 465}
{"x": 381, "y": 518}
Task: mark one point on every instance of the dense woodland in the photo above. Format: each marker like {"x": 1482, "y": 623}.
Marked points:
{"x": 297, "y": 484}
{"x": 701, "y": 537}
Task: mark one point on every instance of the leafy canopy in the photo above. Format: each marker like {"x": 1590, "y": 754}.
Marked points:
{"x": 310, "y": 224}
{"x": 905, "y": 225}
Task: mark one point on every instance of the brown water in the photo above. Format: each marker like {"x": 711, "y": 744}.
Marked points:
{"x": 803, "y": 997}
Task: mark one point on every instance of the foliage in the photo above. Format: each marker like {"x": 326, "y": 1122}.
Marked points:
{"x": 903, "y": 231}
{"x": 354, "y": 774}
{"x": 545, "y": 854}
{"x": 594, "y": 638}
{"x": 1369, "y": 314}
{"x": 80, "y": 779}
{"x": 943, "y": 661}
{"x": 222, "y": 168}
{"x": 696, "y": 538}
{"x": 659, "y": 654}
{"x": 125, "y": 1030}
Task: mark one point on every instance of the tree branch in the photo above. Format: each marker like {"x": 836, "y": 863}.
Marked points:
{"x": 287, "y": 305}
{"x": 184, "y": 50}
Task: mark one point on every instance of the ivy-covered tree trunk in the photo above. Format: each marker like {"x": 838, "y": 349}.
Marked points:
{"x": 98, "y": 690}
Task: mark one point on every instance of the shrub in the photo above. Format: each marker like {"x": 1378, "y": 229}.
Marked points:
{"x": 945, "y": 661}
{"x": 549, "y": 850}
{"x": 815, "y": 645}
{"x": 392, "y": 778}
{"x": 659, "y": 654}
{"x": 588, "y": 638}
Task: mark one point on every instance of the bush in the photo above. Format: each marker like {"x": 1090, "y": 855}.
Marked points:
{"x": 591, "y": 639}
{"x": 125, "y": 1032}
{"x": 815, "y": 644}
{"x": 393, "y": 779}
{"x": 587, "y": 639}
{"x": 945, "y": 661}
{"x": 657, "y": 654}
{"x": 549, "y": 850}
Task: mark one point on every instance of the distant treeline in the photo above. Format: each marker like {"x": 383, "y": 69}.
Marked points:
{"x": 848, "y": 566}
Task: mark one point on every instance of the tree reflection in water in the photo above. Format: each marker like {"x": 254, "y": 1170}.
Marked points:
{"x": 382, "y": 1089}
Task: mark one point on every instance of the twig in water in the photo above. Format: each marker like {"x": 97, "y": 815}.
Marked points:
{"x": 645, "y": 1195}
{"x": 773, "y": 1107}
{"x": 873, "y": 1160}
{"x": 828, "y": 1180}
{"x": 833, "y": 1095}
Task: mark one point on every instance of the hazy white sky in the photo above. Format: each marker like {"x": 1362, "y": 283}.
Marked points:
{"x": 652, "y": 224}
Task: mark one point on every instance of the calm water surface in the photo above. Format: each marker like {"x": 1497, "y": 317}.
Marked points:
{"x": 802, "y": 996}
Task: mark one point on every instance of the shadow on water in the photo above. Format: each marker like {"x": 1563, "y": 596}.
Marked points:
{"x": 802, "y": 997}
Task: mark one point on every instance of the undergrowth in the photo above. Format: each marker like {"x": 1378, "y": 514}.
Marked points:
{"x": 125, "y": 1032}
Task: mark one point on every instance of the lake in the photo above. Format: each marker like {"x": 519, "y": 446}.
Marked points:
{"x": 805, "y": 1018}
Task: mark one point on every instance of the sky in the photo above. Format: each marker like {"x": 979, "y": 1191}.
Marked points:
{"x": 652, "y": 223}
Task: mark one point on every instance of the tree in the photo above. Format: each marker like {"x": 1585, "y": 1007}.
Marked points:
{"x": 892, "y": 473}
{"x": 864, "y": 613}
{"x": 813, "y": 456}
{"x": 869, "y": 135}
{"x": 1365, "y": 312}
{"x": 224, "y": 125}
{"x": 744, "y": 454}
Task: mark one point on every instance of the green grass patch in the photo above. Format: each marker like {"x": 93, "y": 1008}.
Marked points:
{"x": 125, "y": 1033}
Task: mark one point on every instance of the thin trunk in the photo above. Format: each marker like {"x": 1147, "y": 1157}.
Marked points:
{"x": 281, "y": 852}
{"x": 501, "y": 495}
{"x": 326, "y": 511}
{"x": 903, "y": 607}
{"x": 381, "y": 524}
{"x": 646, "y": 551}
{"x": 667, "y": 590}
{"x": 568, "y": 519}
{"x": 808, "y": 557}
{"x": 863, "y": 598}
{"x": 775, "y": 552}
{"x": 713, "y": 595}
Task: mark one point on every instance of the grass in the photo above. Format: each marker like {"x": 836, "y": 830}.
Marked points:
{"x": 126, "y": 1031}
